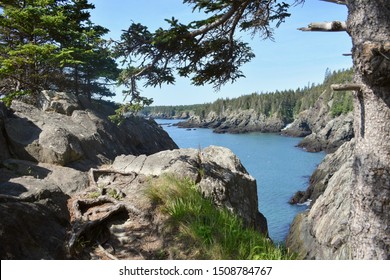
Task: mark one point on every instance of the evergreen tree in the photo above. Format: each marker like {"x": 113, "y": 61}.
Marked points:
{"x": 51, "y": 44}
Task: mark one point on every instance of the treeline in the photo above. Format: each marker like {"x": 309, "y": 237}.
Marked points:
{"x": 281, "y": 104}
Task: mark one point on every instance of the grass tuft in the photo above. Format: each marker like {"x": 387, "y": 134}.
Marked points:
{"x": 211, "y": 232}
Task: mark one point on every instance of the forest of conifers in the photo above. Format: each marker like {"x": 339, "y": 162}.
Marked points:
{"x": 284, "y": 104}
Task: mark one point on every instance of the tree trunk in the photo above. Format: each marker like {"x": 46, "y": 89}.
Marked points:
{"x": 369, "y": 27}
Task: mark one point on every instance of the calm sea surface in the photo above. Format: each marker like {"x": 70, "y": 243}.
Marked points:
{"x": 279, "y": 167}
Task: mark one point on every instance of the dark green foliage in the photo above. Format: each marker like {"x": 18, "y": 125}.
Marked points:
{"x": 52, "y": 44}
{"x": 207, "y": 51}
{"x": 282, "y": 104}
{"x": 342, "y": 103}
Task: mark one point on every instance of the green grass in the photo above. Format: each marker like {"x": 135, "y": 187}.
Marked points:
{"x": 210, "y": 232}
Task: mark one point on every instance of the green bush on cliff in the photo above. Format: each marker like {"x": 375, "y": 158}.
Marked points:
{"x": 342, "y": 103}
{"x": 208, "y": 232}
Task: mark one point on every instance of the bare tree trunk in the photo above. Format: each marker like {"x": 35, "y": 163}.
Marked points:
{"x": 369, "y": 27}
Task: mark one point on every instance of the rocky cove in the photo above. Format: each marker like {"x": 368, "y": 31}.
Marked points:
{"x": 67, "y": 173}
{"x": 321, "y": 130}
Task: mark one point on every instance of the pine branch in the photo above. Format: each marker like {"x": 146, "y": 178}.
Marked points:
{"x": 221, "y": 20}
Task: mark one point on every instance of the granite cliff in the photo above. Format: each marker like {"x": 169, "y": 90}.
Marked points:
{"x": 323, "y": 232}
{"x": 322, "y": 131}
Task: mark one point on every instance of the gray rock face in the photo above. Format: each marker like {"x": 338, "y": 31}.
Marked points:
{"x": 33, "y": 209}
{"x": 217, "y": 171}
{"x": 319, "y": 180}
{"x": 329, "y": 138}
{"x": 36, "y": 142}
{"x": 22, "y": 178}
{"x": 59, "y": 102}
{"x": 323, "y": 232}
{"x": 35, "y": 220}
{"x": 60, "y": 133}
{"x": 4, "y": 152}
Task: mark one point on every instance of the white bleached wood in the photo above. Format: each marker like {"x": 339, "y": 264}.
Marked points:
{"x": 326, "y": 26}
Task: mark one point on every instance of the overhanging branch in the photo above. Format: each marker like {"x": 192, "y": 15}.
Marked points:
{"x": 331, "y": 26}
{"x": 220, "y": 21}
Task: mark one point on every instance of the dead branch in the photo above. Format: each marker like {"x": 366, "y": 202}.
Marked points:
{"x": 332, "y": 26}
{"x": 343, "y": 87}
{"x": 340, "y": 2}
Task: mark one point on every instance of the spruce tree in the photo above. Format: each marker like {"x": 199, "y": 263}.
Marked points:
{"x": 52, "y": 44}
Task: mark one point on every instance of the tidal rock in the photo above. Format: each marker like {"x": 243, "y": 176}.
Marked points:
{"x": 299, "y": 128}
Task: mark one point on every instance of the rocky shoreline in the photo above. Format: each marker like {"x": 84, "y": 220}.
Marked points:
{"x": 242, "y": 121}
{"x": 319, "y": 129}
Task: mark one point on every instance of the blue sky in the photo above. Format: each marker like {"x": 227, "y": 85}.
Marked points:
{"x": 294, "y": 59}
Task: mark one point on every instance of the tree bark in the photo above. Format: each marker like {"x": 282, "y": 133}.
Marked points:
{"x": 369, "y": 28}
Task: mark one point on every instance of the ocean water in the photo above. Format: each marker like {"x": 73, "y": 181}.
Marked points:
{"x": 280, "y": 168}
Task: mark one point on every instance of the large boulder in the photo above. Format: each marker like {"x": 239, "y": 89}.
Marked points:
{"x": 135, "y": 227}
{"x": 35, "y": 219}
{"x": 59, "y": 132}
{"x": 216, "y": 170}
{"x": 34, "y": 214}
